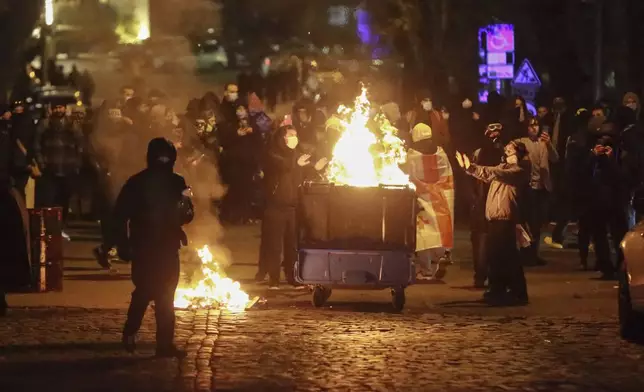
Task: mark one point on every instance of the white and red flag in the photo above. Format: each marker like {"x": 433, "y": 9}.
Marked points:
{"x": 432, "y": 175}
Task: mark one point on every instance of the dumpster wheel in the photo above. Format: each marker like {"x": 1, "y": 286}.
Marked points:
{"x": 320, "y": 295}
{"x": 398, "y": 298}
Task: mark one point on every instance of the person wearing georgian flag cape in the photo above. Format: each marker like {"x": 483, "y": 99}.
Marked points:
{"x": 430, "y": 171}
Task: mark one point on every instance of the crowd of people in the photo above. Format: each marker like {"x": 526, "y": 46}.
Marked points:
{"x": 579, "y": 165}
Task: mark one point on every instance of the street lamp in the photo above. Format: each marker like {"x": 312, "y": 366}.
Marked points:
{"x": 48, "y": 40}
{"x": 49, "y": 12}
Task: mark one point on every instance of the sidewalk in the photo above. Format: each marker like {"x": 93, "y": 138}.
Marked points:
{"x": 87, "y": 286}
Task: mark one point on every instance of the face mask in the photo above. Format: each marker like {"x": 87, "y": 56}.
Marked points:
{"x": 632, "y": 105}
{"x": 232, "y": 97}
{"x": 467, "y": 104}
{"x": 427, "y": 105}
{"x": 512, "y": 159}
{"x": 292, "y": 142}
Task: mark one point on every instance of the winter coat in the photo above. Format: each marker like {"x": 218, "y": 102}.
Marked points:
{"x": 507, "y": 181}
{"x": 282, "y": 175}
{"x": 59, "y": 147}
{"x": 147, "y": 215}
{"x": 489, "y": 155}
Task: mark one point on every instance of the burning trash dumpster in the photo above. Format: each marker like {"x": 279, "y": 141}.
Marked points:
{"x": 355, "y": 237}
{"x": 358, "y": 230}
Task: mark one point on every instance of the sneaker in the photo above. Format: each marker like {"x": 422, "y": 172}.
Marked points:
{"x": 273, "y": 287}
{"x": 551, "y": 243}
{"x": 170, "y": 352}
{"x": 129, "y": 343}
{"x": 102, "y": 258}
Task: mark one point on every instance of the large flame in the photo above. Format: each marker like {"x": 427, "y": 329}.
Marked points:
{"x": 214, "y": 290}
{"x": 362, "y": 157}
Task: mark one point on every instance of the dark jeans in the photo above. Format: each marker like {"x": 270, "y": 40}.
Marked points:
{"x": 156, "y": 283}
{"x": 506, "y": 270}
{"x": 54, "y": 191}
{"x": 534, "y": 214}
{"x": 479, "y": 254}
{"x": 163, "y": 310}
{"x": 278, "y": 237}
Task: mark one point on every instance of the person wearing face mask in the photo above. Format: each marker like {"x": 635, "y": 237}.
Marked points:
{"x": 427, "y": 113}
{"x": 230, "y": 103}
{"x": 241, "y": 142}
{"x": 149, "y": 215}
{"x": 541, "y": 154}
{"x": 490, "y": 153}
{"x": 285, "y": 168}
{"x": 589, "y": 127}
{"x": 507, "y": 284}
{"x": 58, "y": 149}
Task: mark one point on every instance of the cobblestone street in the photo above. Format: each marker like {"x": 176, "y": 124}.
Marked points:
{"x": 565, "y": 340}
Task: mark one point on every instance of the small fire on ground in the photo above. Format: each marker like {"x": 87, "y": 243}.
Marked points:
{"x": 214, "y": 290}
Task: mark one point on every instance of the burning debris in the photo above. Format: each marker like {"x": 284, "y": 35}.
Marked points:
{"x": 366, "y": 158}
{"x": 214, "y": 290}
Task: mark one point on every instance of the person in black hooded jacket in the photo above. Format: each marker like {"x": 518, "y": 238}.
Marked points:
{"x": 285, "y": 168}
{"x": 149, "y": 213}
{"x": 491, "y": 153}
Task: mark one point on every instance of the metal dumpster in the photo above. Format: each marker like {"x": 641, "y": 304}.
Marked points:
{"x": 356, "y": 238}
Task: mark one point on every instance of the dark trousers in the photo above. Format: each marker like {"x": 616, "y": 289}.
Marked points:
{"x": 238, "y": 201}
{"x": 561, "y": 213}
{"x": 604, "y": 221}
{"x": 585, "y": 227}
{"x": 155, "y": 279}
{"x": 479, "y": 254}
{"x": 20, "y": 183}
{"x": 506, "y": 270}
{"x": 278, "y": 237}
{"x": 54, "y": 191}
{"x": 105, "y": 208}
{"x": 534, "y": 214}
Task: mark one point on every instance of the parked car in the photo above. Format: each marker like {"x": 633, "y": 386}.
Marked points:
{"x": 631, "y": 286}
